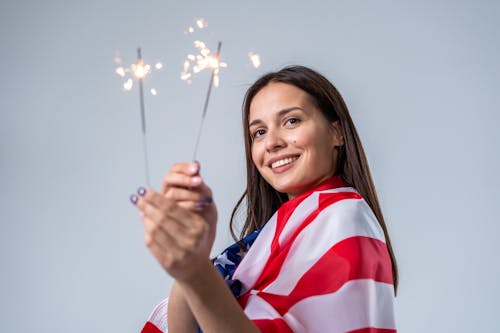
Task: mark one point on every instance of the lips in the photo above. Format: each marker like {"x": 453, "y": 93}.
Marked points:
{"x": 282, "y": 161}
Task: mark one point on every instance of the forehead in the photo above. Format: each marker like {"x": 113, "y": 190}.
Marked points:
{"x": 277, "y": 96}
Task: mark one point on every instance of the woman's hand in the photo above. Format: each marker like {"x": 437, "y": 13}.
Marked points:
{"x": 184, "y": 184}
{"x": 179, "y": 221}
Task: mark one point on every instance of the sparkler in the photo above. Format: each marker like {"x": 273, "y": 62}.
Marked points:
{"x": 215, "y": 69}
{"x": 194, "y": 64}
{"x": 140, "y": 70}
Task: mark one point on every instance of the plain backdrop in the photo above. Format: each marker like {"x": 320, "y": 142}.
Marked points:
{"x": 421, "y": 79}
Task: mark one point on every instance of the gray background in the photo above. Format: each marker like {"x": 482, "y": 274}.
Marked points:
{"x": 421, "y": 81}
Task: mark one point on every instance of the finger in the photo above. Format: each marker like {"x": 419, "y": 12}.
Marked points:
{"x": 163, "y": 253}
{"x": 171, "y": 247}
{"x": 193, "y": 195}
{"x": 180, "y": 180}
{"x": 150, "y": 209}
{"x": 159, "y": 209}
{"x": 167, "y": 215}
{"x": 186, "y": 199}
{"x": 188, "y": 168}
{"x": 181, "y": 175}
{"x": 196, "y": 206}
{"x": 153, "y": 198}
{"x": 154, "y": 230}
{"x": 163, "y": 224}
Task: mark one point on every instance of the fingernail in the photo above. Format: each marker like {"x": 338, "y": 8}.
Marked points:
{"x": 141, "y": 191}
{"x": 207, "y": 199}
{"x": 193, "y": 168}
{"x": 201, "y": 204}
{"x": 134, "y": 199}
{"x": 196, "y": 180}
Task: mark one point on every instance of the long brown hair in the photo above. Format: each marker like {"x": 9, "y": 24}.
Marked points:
{"x": 262, "y": 200}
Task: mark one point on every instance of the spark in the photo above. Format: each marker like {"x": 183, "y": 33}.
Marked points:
{"x": 135, "y": 71}
{"x": 128, "y": 84}
{"x": 140, "y": 69}
{"x": 153, "y": 92}
{"x": 194, "y": 64}
{"x": 120, "y": 71}
{"x": 201, "y": 23}
{"x": 255, "y": 59}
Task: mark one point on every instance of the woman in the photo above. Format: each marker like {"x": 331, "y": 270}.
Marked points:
{"x": 315, "y": 254}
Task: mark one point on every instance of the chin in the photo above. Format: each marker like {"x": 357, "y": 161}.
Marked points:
{"x": 287, "y": 186}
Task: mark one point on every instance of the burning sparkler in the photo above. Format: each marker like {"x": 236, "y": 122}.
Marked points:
{"x": 141, "y": 70}
{"x": 138, "y": 71}
{"x": 194, "y": 63}
{"x": 203, "y": 60}
{"x": 134, "y": 71}
{"x": 214, "y": 64}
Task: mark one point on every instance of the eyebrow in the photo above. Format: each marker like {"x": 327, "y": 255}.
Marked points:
{"x": 279, "y": 114}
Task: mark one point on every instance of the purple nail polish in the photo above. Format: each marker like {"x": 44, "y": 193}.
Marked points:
{"x": 201, "y": 204}
{"x": 141, "y": 191}
{"x": 207, "y": 199}
{"x": 134, "y": 199}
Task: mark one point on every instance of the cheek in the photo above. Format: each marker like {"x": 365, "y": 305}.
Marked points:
{"x": 300, "y": 141}
{"x": 256, "y": 156}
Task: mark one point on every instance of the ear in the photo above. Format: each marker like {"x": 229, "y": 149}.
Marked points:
{"x": 337, "y": 134}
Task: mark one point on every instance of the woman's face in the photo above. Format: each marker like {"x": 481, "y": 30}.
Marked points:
{"x": 293, "y": 144}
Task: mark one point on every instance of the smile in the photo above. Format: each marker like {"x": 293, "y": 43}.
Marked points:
{"x": 283, "y": 162}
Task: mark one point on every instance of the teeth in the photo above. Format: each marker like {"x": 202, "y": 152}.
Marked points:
{"x": 284, "y": 161}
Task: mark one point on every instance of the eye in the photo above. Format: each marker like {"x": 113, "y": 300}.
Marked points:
{"x": 258, "y": 133}
{"x": 292, "y": 121}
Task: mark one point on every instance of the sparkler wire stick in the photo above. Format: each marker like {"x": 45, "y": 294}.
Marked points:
{"x": 143, "y": 117}
{"x": 206, "y": 101}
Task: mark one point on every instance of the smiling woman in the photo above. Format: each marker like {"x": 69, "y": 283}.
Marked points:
{"x": 314, "y": 254}
{"x": 291, "y": 138}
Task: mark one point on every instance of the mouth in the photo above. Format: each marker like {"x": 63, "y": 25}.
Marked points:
{"x": 284, "y": 161}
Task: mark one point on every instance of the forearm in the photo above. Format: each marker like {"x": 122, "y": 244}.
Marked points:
{"x": 212, "y": 303}
{"x": 180, "y": 317}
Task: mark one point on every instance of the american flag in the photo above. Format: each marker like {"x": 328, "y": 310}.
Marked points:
{"x": 320, "y": 264}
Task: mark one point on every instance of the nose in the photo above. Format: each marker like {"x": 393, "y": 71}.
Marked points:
{"x": 274, "y": 140}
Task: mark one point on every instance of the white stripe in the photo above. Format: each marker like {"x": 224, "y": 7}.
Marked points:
{"x": 258, "y": 308}
{"x": 251, "y": 266}
{"x": 302, "y": 211}
{"x": 358, "y": 304}
{"x": 159, "y": 315}
{"x": 344, "y": 219}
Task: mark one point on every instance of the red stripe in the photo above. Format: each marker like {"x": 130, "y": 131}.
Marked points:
{"x": 286, "y": 210}
{"x": 243, "y": 300}
{"x": 150, "y": 328}
{"x": 275, "y": 261}
{"x": 351, "y": 259}
{"x": 277, "y": 325}
{"x": 373, "y": 330}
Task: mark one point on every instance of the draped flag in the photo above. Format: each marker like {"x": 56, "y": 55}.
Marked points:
{"x": 320, "y": 264}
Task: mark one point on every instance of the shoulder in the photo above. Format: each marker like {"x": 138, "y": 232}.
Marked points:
{"x": 346, "y": 212}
